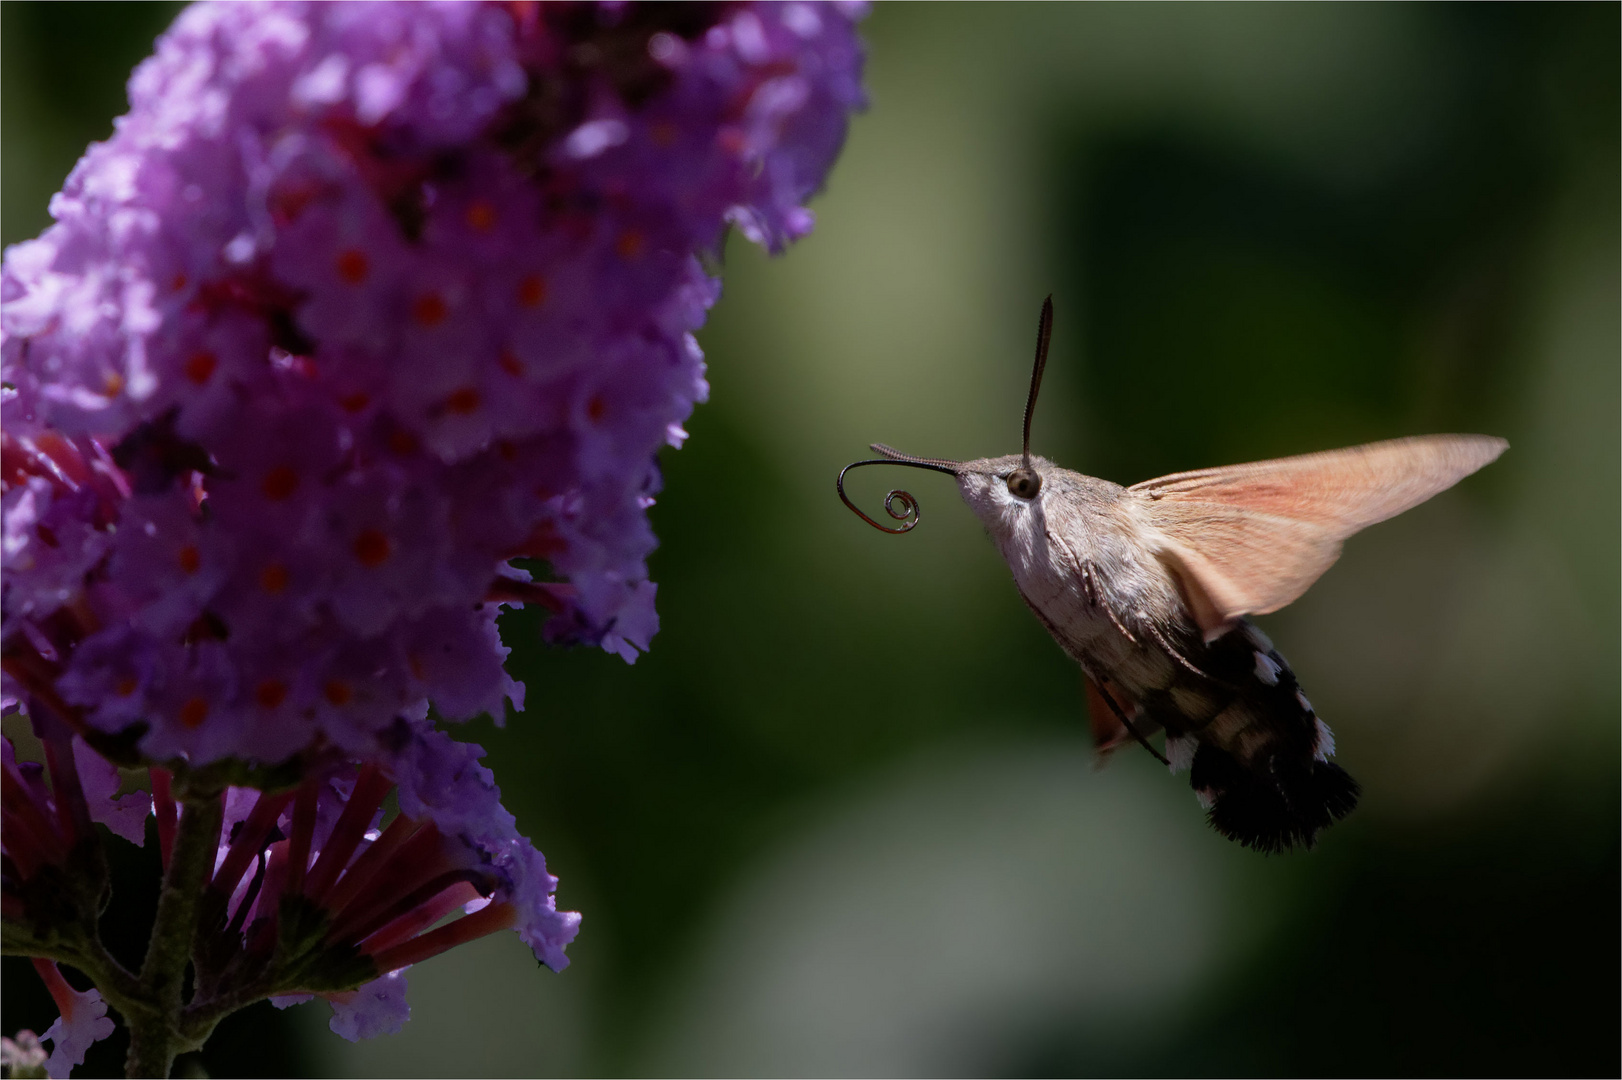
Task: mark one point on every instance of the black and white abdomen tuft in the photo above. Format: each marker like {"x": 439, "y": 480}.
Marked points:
{"x": 1261, "y": 766}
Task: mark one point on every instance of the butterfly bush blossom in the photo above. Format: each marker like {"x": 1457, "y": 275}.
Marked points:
{"x": 359, "y": 304}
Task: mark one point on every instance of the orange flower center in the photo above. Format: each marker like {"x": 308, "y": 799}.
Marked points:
{"x": 631, "y": 244}
{"x": 532, "y": 291}
{"x": 201, "y": 366}
{"x": 463, "y": 401}
{"x": 273, "y": 578}
{"x": 371, "y": 548}
{"x": 279, "y": 483}
{"x": 353, "y": 266}
{"x": 429, "y": 310}
{"x": 194, "y": 712}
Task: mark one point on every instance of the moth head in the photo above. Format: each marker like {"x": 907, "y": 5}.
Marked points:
{"x": 993, "y": 487}
{"x": 1013, "y": 483}
{"x": 1010, "y": 482}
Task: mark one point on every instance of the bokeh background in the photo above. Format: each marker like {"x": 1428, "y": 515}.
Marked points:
{"x": 843, "y": 818}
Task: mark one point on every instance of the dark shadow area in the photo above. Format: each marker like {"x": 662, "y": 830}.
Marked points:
{"x": 1483, "y": 946}
{"x": 258, "y": 1041}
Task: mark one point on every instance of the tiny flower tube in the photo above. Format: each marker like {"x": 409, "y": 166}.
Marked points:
{"x": 41, "y": 825}
{"x": 165, "y": 811}
{"x": 379, "y": 890}
{"x": 83, "y": 1021}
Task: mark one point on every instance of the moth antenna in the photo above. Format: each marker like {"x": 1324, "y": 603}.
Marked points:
{"x": 908, "y": 512}
{"x": 1044, "y": 331}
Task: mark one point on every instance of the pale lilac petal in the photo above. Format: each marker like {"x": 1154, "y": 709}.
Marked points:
{"x": 73, "y": 1032}
{"x": 442, "y": 781}
{"x": 125, "y": 816}
{"x": 377, "y": 1008}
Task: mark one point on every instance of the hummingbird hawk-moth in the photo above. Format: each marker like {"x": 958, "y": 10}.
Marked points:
{"x": 1147, "y": 588}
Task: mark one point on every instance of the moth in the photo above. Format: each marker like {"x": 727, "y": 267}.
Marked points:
{"x": 1148, "y": 588}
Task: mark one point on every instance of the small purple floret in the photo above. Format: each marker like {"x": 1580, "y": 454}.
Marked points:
{"x": 83, "y": 1021}
{"x": 376, "y": 1008}
{"x": 124, "y": 815}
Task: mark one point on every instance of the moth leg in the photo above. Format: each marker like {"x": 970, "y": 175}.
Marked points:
{"x": 1089, "y": 588}
{"x": 1172, "y": 651}
{"x": 1108, "y": 733}
{"x": 1118, "y": 625}
{"x": 1120, "y": 715}
{"x": 1089, "y": 578}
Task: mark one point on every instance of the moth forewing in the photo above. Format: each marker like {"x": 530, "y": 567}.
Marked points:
{"x": 1343, "y": 490}
{"x": 1249, "y": 539}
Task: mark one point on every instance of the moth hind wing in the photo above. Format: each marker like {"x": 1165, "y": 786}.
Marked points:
{"x": 1109, "y": 733}
{"x": 1238, "y": 565}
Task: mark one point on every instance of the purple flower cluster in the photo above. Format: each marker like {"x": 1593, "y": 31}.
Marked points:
{"x": 359, "y": 304}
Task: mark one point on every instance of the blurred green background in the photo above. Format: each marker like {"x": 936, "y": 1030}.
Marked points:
{"x": 843, "y": 818}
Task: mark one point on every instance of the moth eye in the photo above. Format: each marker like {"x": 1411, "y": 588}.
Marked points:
{"x": 1024, "y": 483}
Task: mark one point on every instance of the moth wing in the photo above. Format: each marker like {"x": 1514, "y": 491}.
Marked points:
{"x": 1249, "y": 539}
{"x": 1108, "y": 732}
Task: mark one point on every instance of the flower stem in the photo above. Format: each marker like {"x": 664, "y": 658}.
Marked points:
{"x": 155, "y": 1037}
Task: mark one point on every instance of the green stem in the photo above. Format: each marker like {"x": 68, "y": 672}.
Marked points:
{"x": 155, "y": 1036}
{"x": 118, "y": 987}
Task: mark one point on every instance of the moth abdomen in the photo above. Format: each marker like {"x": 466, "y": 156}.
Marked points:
{"x": 1274, "y": 804}
{"x": 1262, "y": 765}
